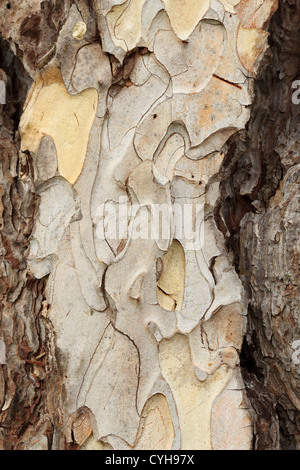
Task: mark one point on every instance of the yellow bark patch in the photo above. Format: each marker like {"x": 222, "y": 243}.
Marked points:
{"x": 170, "y": 286}
{"x": 185, "y": 15}
{"x": 79, "y": 30}
{"x": 194, "y": 399}
{"x": 250, "y": 44}
{"x": 68, "y": 119}
{"x": 157, "y": 431}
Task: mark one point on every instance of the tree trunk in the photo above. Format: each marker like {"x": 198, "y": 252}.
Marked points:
{"x": 150, "y": 297}
{"x": 260, "y": 203}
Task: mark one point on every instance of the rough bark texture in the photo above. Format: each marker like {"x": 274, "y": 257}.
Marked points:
{"x": 28, "y": 378}
{"x": 132, "y": 342}
{"x": 263, "y": 169}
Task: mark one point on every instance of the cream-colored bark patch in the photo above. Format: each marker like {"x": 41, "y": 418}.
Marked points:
{"x": 66, "y": 118}
{"x": 79, "y": 30}
{"x": 92, "y": 444}
{"x": 194, "y": 399}
{"x": 250, "y": 44}
{"x": 125, "y": 23}
{"x": 157, "y": 431}
{"x": 229, "y": 5}
{"x": 185, "y": 15}
{"x": 170, "y": 286}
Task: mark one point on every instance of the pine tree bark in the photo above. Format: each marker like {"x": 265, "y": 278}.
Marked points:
{"x": 136, "y": 343}
{"x": 260, "y": 203}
